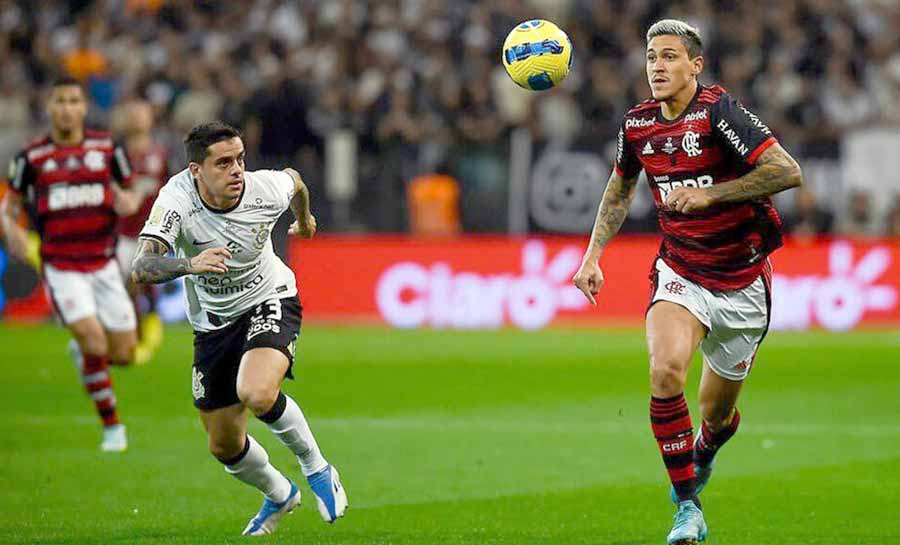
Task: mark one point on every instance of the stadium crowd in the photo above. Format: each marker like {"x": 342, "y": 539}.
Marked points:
{"x": 420, "y": 83}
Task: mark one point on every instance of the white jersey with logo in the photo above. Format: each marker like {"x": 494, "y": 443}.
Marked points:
{"x": 255, "y": 274}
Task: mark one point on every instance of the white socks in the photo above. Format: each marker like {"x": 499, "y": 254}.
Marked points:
{"x": 292, "y": 429}
{"x": 254, "y": 469}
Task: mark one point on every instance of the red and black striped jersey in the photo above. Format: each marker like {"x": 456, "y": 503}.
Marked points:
{"x": 715, "y": 139}
{"x": 67, "y": 192}
{"x": 152, "y": 164}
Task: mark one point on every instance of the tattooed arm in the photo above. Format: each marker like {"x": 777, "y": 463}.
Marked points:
{"x": 610, "y": 216}
{"x": 151, "y": 265}
{"x": 775, "y": 171}
{"x": 612, "y": 211}
{"x": 305, "y": 224}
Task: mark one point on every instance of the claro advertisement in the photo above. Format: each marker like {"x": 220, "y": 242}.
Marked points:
{"x": 485, "y": 282}
{"x": 491, "y": 282}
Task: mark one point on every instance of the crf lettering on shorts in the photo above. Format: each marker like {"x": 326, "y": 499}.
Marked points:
{"x": 665, "y": 188}
{"x": 65, "y": 196}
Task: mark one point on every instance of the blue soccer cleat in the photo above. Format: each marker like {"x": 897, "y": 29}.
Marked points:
{"x": 330, "y": 494}
{"x": 270, "y": 513}
{"x": 689, "y": 527}
{"x": 701, "y": 477}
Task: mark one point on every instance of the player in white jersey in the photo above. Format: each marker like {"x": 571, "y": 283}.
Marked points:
{"x": 243, "y": 305}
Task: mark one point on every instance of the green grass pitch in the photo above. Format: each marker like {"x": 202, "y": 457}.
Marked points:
{"x": 462, "y": 438}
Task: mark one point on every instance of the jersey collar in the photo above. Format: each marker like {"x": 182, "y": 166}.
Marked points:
{"x": 220, "y": 210}
{"x": 661, "y": 119}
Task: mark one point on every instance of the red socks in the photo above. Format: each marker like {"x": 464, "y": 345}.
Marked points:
{"x": 671, "y": 423}
{"x": 709, "y": 443}
{"x": 97, "y": 382}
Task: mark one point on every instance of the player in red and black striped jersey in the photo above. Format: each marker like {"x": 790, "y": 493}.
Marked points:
{"x": 73, "y": 183}
{"x": 712, "y": 166}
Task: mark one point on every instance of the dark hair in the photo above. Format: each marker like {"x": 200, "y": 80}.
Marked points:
{"x": 689, "y": 35}
{"x": 201, "y": 137}
{"x": 67, "y": 81}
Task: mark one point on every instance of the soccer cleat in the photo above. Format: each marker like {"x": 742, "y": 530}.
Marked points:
{"x": 266, "y": 520}
{"x": 330, "y": 494}
{"x": 150, "y": 338}
{"x": 689, "y": 527}
{"x": 152, "y": 330}
{"x": 701, "y": 477}
{"x": 114, "y": 439}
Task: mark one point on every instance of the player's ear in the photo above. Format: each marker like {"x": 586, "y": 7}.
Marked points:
{"x": 697, "y": 65}
{"x": 195, "y": 169}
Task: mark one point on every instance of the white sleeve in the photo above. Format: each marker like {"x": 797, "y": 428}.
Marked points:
{"x": 282, "y": 184}
{"x": 165, "y": 219}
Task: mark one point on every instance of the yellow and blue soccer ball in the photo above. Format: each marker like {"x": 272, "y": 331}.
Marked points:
{"x": 537, "y": 55}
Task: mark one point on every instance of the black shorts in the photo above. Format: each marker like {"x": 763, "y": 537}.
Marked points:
{"x": 217, "y": 354}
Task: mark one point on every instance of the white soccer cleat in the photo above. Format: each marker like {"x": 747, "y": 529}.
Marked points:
{"x": 114, "y": 439}
{"x": 330, "y": 494}
{"x": 266, "y": 520}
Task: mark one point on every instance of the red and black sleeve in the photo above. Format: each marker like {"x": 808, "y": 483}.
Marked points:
{"x": 121, "y": 166}
{"x": 21, "y": 174}
{"x": 739, "y": 130}
{"x": 627, "y": 164}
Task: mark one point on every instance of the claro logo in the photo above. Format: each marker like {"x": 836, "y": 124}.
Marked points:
{"x": 839, "y": 300}
{"x": 411, "y": 295}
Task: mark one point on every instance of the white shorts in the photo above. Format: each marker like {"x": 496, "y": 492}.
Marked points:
{"x": 78, "y": 295}
{"x": 125, "y": 249}
{"x": 736, "y": 320}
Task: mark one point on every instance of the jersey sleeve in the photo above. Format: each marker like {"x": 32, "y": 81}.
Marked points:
{"x": 282, "y": 184}
{"x": 627, "y": 164}
{"x": 21, "y": 174}
{"x": 740, "y": 130}
{"x": 120, "y": 166}
{"x": 165, "y": 219}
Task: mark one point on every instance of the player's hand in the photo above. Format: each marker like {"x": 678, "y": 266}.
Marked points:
{"x": 306, "y": 228}
{"x": 688, "y": 199}
{"x": 125, "y": 202}
{"x": 589, "y": 279}
{"x": 211, "y": 260}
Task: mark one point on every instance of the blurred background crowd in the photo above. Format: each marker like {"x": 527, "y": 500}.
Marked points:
{"x": 388, "y": 92}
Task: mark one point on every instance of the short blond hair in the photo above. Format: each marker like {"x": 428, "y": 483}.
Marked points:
{"x": 689, "y": 35}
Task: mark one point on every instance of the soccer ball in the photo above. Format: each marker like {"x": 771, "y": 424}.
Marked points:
{"x": 537, "y": 55}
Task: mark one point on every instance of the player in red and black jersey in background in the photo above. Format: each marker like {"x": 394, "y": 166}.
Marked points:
{"x": 712, "y": 165}
{"x": 133, "y": 123}
{"x": 73, "y": 183}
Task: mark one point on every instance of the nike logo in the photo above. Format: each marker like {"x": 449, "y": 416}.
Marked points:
{"x": 202, "y": 242}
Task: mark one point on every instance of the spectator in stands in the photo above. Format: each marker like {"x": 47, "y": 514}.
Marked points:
{"x": 858, "y": 219}
{"x": 893, "y": 220}
{"x": 300, "y": 69}
{"x": 808, "y": 218}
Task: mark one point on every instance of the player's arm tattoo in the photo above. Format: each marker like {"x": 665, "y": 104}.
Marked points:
{"x": 775, "y": 171}
{"x": 300, "y": 201}
{"x": 613, "y": 209}
{"x": 151, "y": 265}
